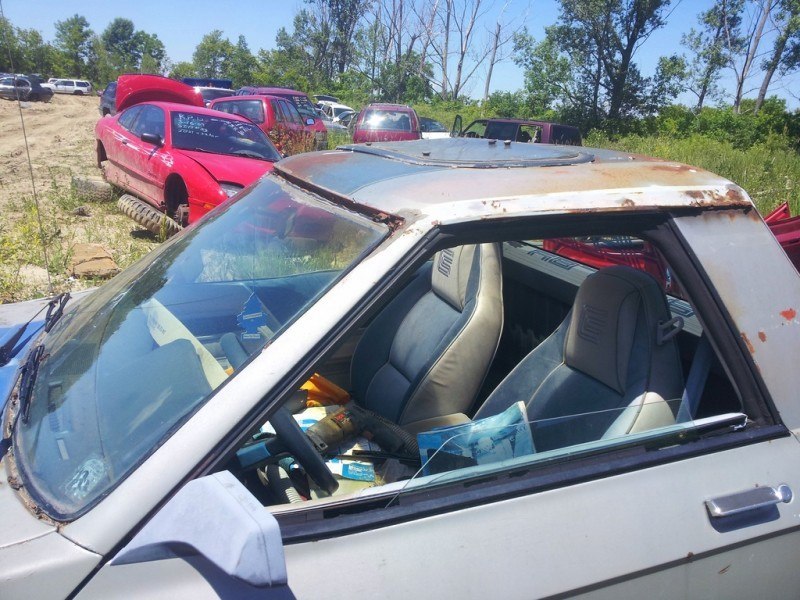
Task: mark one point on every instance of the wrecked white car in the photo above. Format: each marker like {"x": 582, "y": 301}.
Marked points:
{"x": 430, "y": 369}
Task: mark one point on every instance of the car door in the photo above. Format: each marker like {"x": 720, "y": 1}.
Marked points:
{"x": 146, "y": 158}
{"x": 122, "y": 148}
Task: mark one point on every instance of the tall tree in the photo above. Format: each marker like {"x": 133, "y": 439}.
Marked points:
{"x": 242, "y": 64}
{"x": 614, "y": 30}
{"x": 74, "y": 39}
{"x": 710, "y": 48}
{"x": 212, "y": 55}
{"x": 743, "y": 40}
{"x": 786, "y": 18}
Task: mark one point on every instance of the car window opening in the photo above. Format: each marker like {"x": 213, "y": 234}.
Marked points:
{"x": 557, "y": 386}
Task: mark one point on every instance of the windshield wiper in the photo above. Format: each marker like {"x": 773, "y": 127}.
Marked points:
{"x": 29, "y": 371}
{"x": 55, "y": 308}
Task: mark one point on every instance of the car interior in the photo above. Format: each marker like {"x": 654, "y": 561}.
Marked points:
{"x": 495, "y": 353}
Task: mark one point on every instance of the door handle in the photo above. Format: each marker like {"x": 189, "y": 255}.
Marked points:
{"x": 740, "y": 502}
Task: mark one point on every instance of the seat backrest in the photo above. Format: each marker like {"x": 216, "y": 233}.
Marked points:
{"x": 427, "y": 352}
{"x": 604, "y": 372}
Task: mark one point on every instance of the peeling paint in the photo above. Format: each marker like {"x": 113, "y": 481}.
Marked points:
{"x": 628, "y": 202}
{"x": 762, "y": 336}
{"x": 725, "y": 570}
{"x": 748, "y": 343}
{"x": 789, "y": 314}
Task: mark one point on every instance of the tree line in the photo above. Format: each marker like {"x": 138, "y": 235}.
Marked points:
{"x": 584, "y": 70}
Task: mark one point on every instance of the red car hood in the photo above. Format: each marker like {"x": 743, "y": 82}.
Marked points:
{"x": 233, "y": 169}
{"x": 133, "y": 89}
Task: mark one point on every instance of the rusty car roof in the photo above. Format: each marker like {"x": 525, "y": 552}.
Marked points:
{"x": 460, "y": 178}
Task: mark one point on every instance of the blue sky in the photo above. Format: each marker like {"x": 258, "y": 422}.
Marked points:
{"x": 180, "y": 24}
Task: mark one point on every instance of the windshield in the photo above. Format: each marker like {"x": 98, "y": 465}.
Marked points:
{"x": 219, "y": 135}
{"x": 387, "y": 119}
{"x": 136, "y": 358}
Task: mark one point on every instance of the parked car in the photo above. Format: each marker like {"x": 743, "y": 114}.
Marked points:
{"x": 334, "y": 110}
{"x": 22, "y": 88}
{"x": 606, "y": 440}
{"x": 108, "y": 100}
{"x": 346, "y": 118}
{"x": 178, "y": 156}
{"x": 386, "y": 123}
{"x": 210, "y": 94}
{"x": 432, "y": 129}
{"x": 77, "y": 87}
{"x": 301, "y": 102}
{"x": 276, "y": 116}
{"x": 519, "y": 130}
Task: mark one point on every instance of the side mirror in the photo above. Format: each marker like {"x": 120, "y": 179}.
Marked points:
{"x": 457, "y": 124}
{"x": 202, "y": 514}
{"x": 152, "y": 138}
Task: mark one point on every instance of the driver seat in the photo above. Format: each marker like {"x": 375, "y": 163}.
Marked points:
{"x": 425, "y": 355}
{"x": 608, "y": 369}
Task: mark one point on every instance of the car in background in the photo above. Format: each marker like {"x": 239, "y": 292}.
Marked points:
{"x": 432, "y": 129}
{"x": 108, "y": 100}
{"x": 380, "y": 122}
{"x": 183, "y": 431}
{"x": 276, "y": 116}
{"x": 77, "y": 87}
{"x": 338, "y": 128}
{"x": 15, "y": 87}
{"x": 301, "y": 102}
{"x": 519, "y": 130}
{"x": 335, "y": 110}
{"x": 176, "y": 155}
{"x": 210, "y": 94}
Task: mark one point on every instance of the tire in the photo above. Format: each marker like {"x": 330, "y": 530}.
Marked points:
{"x": 155, "y": 221}
{"x": 77, "y": 93}
{"x": 33, "y": 97}
{"x": 92, "y": 189}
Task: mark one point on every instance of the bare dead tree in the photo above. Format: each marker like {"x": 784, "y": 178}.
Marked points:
{"x": 747, "y": 44}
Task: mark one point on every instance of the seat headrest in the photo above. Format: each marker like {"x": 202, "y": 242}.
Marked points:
{"x": 450, "y": 275}
{"x": 607, "y": 308}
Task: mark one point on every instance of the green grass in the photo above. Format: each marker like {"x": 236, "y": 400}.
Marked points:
{"x": 769, "y": 172}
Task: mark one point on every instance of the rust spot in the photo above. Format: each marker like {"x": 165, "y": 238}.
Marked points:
{"x": 696, "y": 194}
{"x": 789, "y": 314}
{"x": 673, "y": 168}
{"x": 628, "y": 202}
{"x": 690, "y": 555}
{"x": 14, "y": 483}
{"x": 762, "y": 336}
{"x": 747, "y": 343}
{"x": 725, "y": 570}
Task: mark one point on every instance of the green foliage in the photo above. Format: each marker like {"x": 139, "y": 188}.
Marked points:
{"x": 182, "y": 69}
{"x": 74, "y": 40}
{"x": 212, "y": 55}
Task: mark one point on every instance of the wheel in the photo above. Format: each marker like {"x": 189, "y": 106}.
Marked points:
{"x": 155, "y": 221}
{"x": 77, "y": 93}
{"x": 33, "y": 97}
{"x": 176, "y": 199}
{"x": 92, "y": 189}
{"x": 304, "y": 452}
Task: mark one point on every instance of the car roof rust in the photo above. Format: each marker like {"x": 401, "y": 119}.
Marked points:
{"x": 458, "y": 179}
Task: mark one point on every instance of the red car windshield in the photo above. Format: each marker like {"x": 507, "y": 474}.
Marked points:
{"x": 218, "y": 135}
{"x": 387, "y": 119}
{"x": 303, "y": 105}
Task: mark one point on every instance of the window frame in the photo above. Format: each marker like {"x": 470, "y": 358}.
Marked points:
{"x": 302, "y": 522}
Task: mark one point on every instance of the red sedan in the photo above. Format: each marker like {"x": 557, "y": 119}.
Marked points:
{"x": 182, "y": 159}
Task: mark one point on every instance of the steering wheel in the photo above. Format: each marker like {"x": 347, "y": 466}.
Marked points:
{"x": 304, "y": 452}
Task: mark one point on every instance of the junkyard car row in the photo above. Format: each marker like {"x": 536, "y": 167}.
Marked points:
{"x": 603, "y": 438}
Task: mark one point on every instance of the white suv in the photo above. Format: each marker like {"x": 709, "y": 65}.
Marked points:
{"x": 79, "y": 87}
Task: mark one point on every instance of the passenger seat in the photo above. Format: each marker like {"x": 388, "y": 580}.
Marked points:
{"x": 605, "y": 372}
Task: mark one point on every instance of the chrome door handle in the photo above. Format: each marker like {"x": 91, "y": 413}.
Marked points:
{"x": 760, "y": 497}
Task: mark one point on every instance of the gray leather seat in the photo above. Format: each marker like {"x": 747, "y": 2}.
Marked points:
{"x": 604, "y": 372}
{"x": 426, "y": 354}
